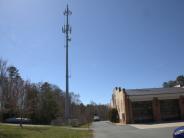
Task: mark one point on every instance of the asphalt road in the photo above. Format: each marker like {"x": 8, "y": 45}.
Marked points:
{"x": 109, "y": 130}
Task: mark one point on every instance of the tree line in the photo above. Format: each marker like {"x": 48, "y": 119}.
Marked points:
{"x": 41, "y": 102}
{"x": 172, "y": 83}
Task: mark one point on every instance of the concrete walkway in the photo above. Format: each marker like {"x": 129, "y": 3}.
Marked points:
{"x": 161, "y": 125}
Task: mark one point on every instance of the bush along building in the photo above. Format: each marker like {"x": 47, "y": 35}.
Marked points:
{"x": 148, "y": 105}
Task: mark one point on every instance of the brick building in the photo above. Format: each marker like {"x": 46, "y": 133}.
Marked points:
{"x": 149, "y": 105}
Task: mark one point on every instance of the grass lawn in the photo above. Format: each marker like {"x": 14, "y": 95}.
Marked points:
{"x": 7, "y": 131}
{"x": 85, "y": 125}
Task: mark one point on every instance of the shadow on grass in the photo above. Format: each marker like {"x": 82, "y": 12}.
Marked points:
{"x": 3, "y": 135}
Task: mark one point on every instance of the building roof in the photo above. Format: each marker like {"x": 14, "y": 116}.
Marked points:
{"x": 154, "y": 91}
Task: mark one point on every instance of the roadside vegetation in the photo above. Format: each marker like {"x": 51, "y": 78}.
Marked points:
{"x": 42, "y": 103}
{"x": 113, "y": 115}
{"x": 7, "y": 131}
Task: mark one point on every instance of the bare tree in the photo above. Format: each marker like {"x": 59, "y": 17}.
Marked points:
{"x": 12, "y": 93}
{"x": 3, "y": 75}
{"x": 21, "y": 91}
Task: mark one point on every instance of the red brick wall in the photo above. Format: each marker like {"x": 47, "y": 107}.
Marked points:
{"x": 126, "y": 121}
{"x": 128, "y": 109}
{"x": 181, "y": 104}
{"x": 156, "y": 110}
{"x": 131, "y": 119}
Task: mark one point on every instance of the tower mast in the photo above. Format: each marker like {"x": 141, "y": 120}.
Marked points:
{"x": 66, "y": 29}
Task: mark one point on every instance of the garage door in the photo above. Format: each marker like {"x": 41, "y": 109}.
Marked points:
{"x": 142, "y": 111}
{"x": 169, "y": 110}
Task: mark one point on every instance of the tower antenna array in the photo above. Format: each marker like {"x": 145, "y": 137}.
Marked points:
{"x": 66, "y": 29}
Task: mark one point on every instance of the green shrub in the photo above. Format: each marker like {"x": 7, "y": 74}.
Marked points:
{"x": 113, "y": 115}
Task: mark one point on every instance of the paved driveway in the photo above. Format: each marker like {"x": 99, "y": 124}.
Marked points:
{"x": 109, "y": 130}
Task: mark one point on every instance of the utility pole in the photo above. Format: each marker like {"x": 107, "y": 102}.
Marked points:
{"x": 67, "y": 30}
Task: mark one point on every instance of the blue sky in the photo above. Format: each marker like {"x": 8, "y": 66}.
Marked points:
{"x": 127, "y": 43}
